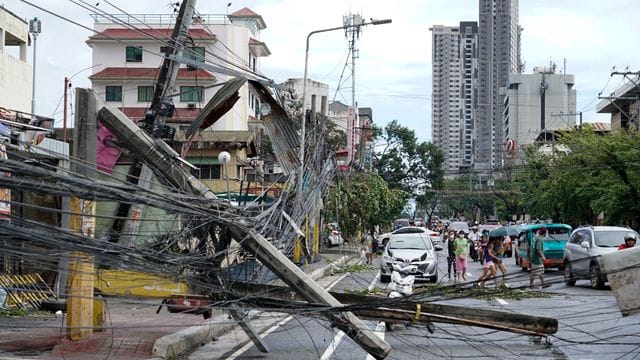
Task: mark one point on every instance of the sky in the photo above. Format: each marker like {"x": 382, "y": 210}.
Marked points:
{"x": 393, "y": 68}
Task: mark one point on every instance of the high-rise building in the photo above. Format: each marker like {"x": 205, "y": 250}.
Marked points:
{"x": 534, "y": 103}
{"x": 455, "y": 75}
{"x": 498, "y": 59}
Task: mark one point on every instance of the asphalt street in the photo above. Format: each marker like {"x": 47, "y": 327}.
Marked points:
{"x": 591, "y": 327}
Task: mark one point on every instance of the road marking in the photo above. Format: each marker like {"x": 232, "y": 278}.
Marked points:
{"x": 275, "y": 327}
{"x": 333, "y": 346}
{"x": 502, "y": 302}
{"x": 373, "y": 282}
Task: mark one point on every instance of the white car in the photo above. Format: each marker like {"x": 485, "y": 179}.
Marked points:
{"x": 410, "y": 249}
{"x": 435, "y": 237}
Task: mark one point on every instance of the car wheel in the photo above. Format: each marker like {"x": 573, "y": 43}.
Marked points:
{"x": 569, "y": 279}
{"x": 434, "y": 278}
{"x": 385, "y": 278}
{"x": 596, "y": 277}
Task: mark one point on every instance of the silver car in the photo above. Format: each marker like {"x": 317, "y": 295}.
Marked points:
{"x": 413, "y": 248}
{"x": 435, "y": 237}
{"x": 582, "y": 255}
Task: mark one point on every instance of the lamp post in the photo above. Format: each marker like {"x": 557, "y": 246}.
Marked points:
{"x": 223, "y": 158}
{"x": 304, "y": 91}
{"x": 35, "y": 27}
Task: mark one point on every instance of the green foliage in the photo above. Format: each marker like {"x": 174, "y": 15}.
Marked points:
{"x": 361, "y": 202}
{"x": 597, "y": 173}
{"x": 13, "y": 312}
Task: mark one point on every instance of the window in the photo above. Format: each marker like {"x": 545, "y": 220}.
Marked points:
{"x": 207, "y": 172}
{"x": 191, "y": 93}
{"x": 145, "y": 93}
{"x": 113, "y": 93}
{"x": 134, "y": 54}
{"x": 195, "y": 53}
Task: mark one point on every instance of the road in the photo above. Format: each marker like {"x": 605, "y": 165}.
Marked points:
{"x": 590, "y": 327}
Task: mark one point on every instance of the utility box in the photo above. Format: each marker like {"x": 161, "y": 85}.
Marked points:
{"x": 99, "y": 314}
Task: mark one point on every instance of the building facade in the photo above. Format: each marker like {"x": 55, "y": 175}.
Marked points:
{"x": 535, "y": 103}
{"x": 317, "y": 94}
{"x": 498, "y": 59}
{"x": 15, "y": 71}
{"x": 128, "y": 50}
{"x": 623, "y": 105}
{"x": 454, "y": 89}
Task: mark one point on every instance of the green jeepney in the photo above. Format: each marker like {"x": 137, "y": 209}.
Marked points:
{"x": 553, "y": 244}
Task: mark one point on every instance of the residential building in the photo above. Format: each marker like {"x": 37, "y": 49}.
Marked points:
{"x": 498, "y": 59}
{"x": 15, "y": 72}
{"x": 317, "y": 94}
{"x": 623, "y": 105}
{"x": 338, "y": 115}
{"x": 454, "y": 89}
{"x": 128, "y": 50}
{"x": 535, "y": 103}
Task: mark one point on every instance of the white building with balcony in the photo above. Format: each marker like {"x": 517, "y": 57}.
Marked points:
{"x": 15, "y": 71}
{"x": 128, "y": 51}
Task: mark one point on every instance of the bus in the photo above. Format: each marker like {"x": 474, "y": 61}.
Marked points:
{"x": 553, "y": 244}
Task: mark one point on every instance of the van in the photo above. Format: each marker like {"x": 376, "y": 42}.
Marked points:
{"x": 553, "y": 244}
{"x": 400, "y": 223}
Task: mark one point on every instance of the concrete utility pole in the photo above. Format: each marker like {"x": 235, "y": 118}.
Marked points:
{"x": 165, "y": 161}
{"x": 155, "y": 120}
{"x": 81, "y": 266}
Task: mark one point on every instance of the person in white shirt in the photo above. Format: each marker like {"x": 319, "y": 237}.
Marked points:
{"x": 473, "y": 240}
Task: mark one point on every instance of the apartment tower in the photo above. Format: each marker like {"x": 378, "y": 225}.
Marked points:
{"x": 455, "y": 79}
{"x": 498, "y": 59}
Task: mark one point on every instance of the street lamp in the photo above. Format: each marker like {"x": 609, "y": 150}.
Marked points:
{"x": 35, "y": 27}
{"x": 223, "y": 158}
{"x": 304, "y": 90}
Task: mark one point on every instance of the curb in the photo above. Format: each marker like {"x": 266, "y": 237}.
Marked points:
{"x": 176, "y": 344}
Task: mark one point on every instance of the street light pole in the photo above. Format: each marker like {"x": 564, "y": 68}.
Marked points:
{"x": 224, "y": 157}
{"x": 35, "y": 27}
{"x": 304, "y": 93}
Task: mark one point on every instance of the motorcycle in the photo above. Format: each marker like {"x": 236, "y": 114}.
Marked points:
{"x": 401, "y": 285}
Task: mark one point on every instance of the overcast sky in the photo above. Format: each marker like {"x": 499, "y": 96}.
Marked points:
{"x": 393, "y": 71}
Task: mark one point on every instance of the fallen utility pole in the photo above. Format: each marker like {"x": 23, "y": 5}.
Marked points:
{"x": 410, "y": 310}
{"x": 166, "y": 162}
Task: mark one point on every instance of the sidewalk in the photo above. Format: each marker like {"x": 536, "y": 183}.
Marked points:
{"x": 132, "y": 330}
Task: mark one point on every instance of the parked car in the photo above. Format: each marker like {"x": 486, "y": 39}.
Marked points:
{"x": 435, "y": 237}
{"x": 334, "y": 238}
{"x": 583, "y": 253}
{"x": 459, "y": 225}
{"x": 413, "y": 248}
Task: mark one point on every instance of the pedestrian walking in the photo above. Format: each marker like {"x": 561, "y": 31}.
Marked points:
{"x": 461, "y": 245}
{"x": 488, "y": 266}
{"x": 368, "y": 246}
{"x": 536, "y": 258}
{"x": 497, "y": 252}
{"x": 451, "y": 255}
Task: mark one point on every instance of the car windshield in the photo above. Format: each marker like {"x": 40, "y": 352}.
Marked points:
{"x": 409, "y": 242}
{"x": 459, "y": 226}
{"x": 557, "y": 234}
{"x": 410, "y": 230}
{"x": 611, "y": 238}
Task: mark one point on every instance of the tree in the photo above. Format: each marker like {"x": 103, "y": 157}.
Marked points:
{"x": 595, "y": 174}
{"x": 409, "y": 165}
{"x": 362, "y": 202}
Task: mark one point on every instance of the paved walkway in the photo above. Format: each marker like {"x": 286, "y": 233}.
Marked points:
{"x": 133, "y": 329}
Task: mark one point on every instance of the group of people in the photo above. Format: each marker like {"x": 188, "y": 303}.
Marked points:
{"x": 489, "y": 250}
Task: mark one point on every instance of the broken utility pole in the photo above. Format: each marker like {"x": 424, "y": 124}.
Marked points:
{"x": 167, "y": 162}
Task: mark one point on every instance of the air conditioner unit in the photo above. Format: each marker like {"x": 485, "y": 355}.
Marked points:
{"x": 191, "y": 106}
